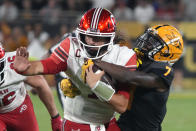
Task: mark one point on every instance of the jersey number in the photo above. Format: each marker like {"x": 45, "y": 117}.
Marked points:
{"x": 168, "y": 70}
{"x": 7, "y": 99}
{"x": 11, "y": 60}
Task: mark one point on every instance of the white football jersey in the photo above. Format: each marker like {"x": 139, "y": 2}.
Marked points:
{"x": 85, "y": 108}
{"x": 12, "y": 91}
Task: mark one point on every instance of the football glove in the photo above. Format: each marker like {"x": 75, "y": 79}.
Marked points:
{"x": 84, "y": 67}
{"x": 56, "y": 123}
{"x": 68, "y": 88}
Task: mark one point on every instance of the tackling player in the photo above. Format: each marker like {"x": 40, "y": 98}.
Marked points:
{"x": 94, "y": 40}
{"x": 16, "y": 109}
{"x": 157, "y": 50}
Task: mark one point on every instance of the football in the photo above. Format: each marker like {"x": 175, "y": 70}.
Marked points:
{"x": 106, "y": 78}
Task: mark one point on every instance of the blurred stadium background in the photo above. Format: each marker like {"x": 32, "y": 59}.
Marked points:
{"x": 39, "y": 24}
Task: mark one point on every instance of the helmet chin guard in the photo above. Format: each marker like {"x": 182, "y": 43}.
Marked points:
{"x": 96, "y": 22}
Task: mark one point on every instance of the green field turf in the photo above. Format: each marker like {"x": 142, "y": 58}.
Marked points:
{"x": 181, "y": 112}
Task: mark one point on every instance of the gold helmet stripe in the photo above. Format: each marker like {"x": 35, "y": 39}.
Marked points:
{"x": 173, "y": 40}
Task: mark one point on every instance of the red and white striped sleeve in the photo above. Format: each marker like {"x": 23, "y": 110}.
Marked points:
{"x": 58, "y": 59}
{"x": 61, "y": 53}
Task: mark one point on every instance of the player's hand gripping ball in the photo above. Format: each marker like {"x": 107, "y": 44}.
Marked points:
{"x": 69, "y": 89}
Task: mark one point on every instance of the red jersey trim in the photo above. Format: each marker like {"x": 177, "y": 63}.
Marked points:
{"x": 132, "y": 63}
{"x": 125, "y": 94}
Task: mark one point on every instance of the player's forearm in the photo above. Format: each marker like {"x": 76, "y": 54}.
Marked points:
{"x": 36, "y": 68}
{"x": 44, "y": 92}
{"x": 119, "y": 103}
{"x": 124, "y": 75}
{"x": 47, "y": 98}
{"x": 117, "y": 72}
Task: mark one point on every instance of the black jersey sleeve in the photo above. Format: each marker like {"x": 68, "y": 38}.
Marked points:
{"x": 164, "y": 71}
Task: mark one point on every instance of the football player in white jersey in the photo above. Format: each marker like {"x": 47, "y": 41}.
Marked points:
{"x": 16, "y": 109}
{"x": 61, "y": 76}
{"x": 94, "y": 40}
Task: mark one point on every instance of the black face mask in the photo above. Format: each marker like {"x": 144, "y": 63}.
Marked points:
{"x": 147, "y": 42}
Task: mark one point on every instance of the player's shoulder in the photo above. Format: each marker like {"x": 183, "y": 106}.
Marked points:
{"x": 159, "y": 65}
{"x": 124, "y": 55}
{"x": 122, "y": 49}
{"x": 64, "y": 37}
{"x": 161, "y": 69}
{"x": 68, "y": 41}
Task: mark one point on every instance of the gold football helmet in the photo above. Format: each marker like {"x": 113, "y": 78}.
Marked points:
{"x": 162, "y": 43}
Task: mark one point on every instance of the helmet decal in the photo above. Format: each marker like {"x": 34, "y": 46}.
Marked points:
{"x": 95, "y": 18}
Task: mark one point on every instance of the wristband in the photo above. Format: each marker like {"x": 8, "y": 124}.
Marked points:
{"x": 103, "y": 90}
{"x": 54, "y": 117}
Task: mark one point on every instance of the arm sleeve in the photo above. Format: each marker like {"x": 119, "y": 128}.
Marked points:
{"x": 50, "y": 67}
{"x": 58, "y": 59}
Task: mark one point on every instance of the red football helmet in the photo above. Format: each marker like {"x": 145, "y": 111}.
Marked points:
{"x": 97, "y": 22}
{"x": 2, "y": 64}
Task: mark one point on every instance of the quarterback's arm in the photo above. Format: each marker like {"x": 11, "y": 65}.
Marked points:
{"x": 124, "y": 75}
{"x": 49, "y": 65}
{"x": 44, "y": 92}
{"x": 118, "y": 100}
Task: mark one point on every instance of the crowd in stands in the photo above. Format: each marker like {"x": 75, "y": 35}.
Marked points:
{"x": 39, "y": 24}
